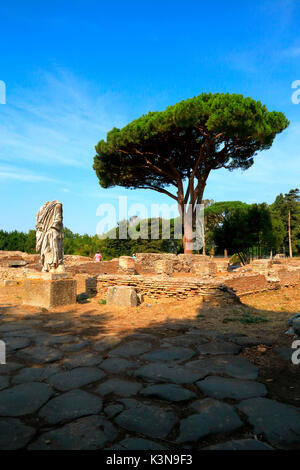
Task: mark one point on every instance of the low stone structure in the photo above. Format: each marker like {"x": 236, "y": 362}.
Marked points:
{"x": 204, "y": 268}
{"x": 49, "y": 290}
{"x": 168, "y": 263}
{"x": 163, "y": 266}
{"x": 122, "y": 296}
{"x": 154, "y": 274}
{"x": 127, "y": 264}
{"x": 156, "y": 287}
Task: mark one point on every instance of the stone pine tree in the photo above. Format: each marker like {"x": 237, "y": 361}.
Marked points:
{"x": 288, "y": 208}
{"x": 174, "y": 151}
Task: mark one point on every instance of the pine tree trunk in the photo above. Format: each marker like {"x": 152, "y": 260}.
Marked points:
{"x": 188, "y": 239}
{"x": 290, "y": 236}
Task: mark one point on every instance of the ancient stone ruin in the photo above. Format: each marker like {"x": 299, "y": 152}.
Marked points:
{"x": 52, "y": 287}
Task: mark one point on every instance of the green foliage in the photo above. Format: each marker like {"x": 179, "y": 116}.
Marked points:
{"x": 244, "y": 228}
{"x": 159, "y": 147}
{"x": 16, "y": 241}
{"x": 290, "y": 202}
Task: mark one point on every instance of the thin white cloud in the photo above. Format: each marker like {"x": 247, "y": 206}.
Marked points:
{"x": 13, "y": 173}
{"x": 56, "y": 124}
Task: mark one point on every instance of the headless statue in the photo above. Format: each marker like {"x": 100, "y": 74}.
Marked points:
{"x": 49, "y": 236}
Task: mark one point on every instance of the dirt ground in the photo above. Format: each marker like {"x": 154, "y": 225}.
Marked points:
{"x": 264, "y": 314}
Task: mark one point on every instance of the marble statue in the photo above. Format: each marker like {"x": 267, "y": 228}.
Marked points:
{"x": 49, "y": 236}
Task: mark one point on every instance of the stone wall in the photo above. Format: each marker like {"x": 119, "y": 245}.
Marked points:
{"x": 168, "y": 263}
{"x": 162, "y": 287}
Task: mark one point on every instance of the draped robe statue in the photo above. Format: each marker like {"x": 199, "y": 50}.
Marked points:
{"x": 49, "y": 236}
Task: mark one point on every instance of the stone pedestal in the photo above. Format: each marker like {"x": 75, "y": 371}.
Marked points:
{"x": 49, "y": 290}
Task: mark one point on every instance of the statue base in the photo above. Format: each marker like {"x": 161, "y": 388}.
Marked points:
{"x": 49, "y": 290}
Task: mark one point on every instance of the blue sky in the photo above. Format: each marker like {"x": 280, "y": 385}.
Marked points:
{"x": 75, "y": 69}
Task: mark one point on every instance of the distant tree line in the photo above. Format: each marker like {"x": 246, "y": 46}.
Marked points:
{"x": 245, "y": 230}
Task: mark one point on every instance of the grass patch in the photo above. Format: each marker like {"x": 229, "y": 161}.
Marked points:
{"x": 200, "y": 315}
{"x": 246, "y": 319}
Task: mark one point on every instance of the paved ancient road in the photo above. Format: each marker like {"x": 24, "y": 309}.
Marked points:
{"x": 177, "y": 388}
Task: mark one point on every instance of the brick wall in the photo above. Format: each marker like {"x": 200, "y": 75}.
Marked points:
{"x": 162, "y": 287}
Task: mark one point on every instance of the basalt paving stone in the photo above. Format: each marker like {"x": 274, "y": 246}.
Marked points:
{"x": 23, "y": 399}
{"x": 176, "y": 327}
{"x": 3, "y": 382}
{"x": 74, "y": 346}
{"x": 129, "y": 402}
{"x": 117, "y": 365}
{"x": 205, "y": 333}
{"x": 234, "y": 366}
{"x": 231, "y": 336}
{"x": 248, "y": 341}
{"x": 88, "y": 433}
{"x": 9, "y": 367}
{"x": 166, "y": 373}
{"x": 35, "y": 374}
{"x": 170, "y": 392}
{"x": 186, "y": 340}
{"x": 14, "y": 435}
{"x": 142, "y": 336}
{"x": 278, "y": 422}
{"x": 133, "y": 348}
{"x": 171, "y": 353}
{"x": 48, "y": 340}
{"x": 221, "y": 387}
{"x": 217, "y": 349}
{"x": 40, "y": 354}
{"x": 58, "y": 324}
{"x": 83, "y": 359}
{"x": 284, "y": 353}
{"x": 123, "y": 388}
{"x": 212, "y": 417}
{"x": 243, "y": 444}
{"x": 14, "y": 326}
{"x": 137, "y": 443}
{"x": 14, "y": 343}
{"x": 113, "y": 410}
{"x": 105, "y": 344}
{"x": 75, "y": 378}
{"x": 71, "y": 405}
{"x": 149, "y": 420}
{"x": 32, "y": 333}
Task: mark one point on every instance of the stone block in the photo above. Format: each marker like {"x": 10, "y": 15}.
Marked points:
{"x": 49, "y": 293}
{"x": 10, "y": 283}
{"x": 127, "y": 264}
{"x": 16, "y": 263}
{"x": 164, "y": 266}
{"x": 204, "y": 268}
{"x": 122, "y": 296}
